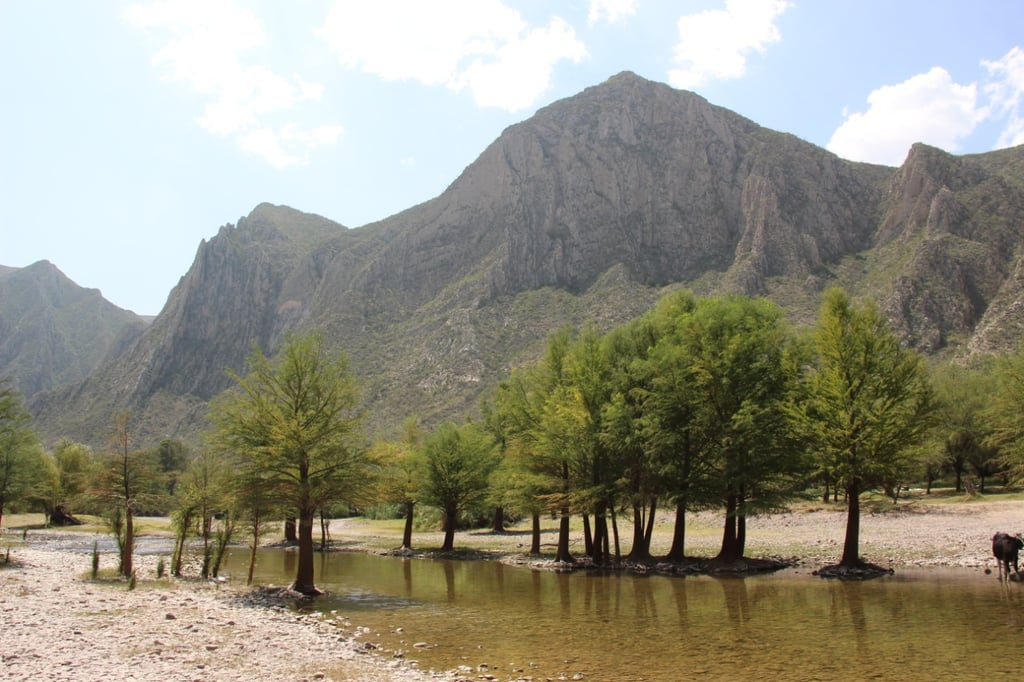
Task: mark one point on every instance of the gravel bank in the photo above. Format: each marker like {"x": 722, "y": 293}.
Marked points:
{"x": 56, "y": 624}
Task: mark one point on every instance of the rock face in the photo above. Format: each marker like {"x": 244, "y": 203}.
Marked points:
{"x": 54, "y": 332}
{"x": 588, "y": 211}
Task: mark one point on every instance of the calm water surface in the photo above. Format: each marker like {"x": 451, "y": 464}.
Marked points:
{"x": 934, "y": 624}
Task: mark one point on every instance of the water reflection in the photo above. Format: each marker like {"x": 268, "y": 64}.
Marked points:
{"x": 936, "y": 624}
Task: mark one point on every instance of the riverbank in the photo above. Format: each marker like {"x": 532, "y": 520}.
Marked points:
{"x": 58, "y": 624}
{"x": 941, "y": 530}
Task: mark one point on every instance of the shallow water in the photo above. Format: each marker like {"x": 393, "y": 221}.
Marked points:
{"x": 917, "y": 624}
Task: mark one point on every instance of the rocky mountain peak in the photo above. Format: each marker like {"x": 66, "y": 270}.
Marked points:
{"x": 585, "y": 212}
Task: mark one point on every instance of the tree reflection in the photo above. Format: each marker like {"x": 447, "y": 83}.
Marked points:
{"x": 737, "y": 599}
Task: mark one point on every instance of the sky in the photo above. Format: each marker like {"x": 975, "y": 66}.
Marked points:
{"x": 132, "y": 130}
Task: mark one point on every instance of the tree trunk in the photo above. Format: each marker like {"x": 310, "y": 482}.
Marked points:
{"x": 563, "y": 554}
{"x": 649, "y": 532}
{"x": 410, "y": 507}
{"x": 255, "y": 546}
{"x": 498, "y": 523}
{"x": 637, "y": 551}
{"x": 304, "y": 572}
{"x": 741, "y": 534}
{"x": 129, "y": 541}
{"x": 290, "y": 533}
{"x": 678, "y": 550}
{"x": 324, "y": 531}
{"x": 730, "y": 550}
{"x": 600, "y": 553}
{"x": 615, "y": 536}
{"x": 851, "y": 545}
{"x": 588, "y": 536}
{"x": 535, "y": 535}
{"x": 451, "y": 516}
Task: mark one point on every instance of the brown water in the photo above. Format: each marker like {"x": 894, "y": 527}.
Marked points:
{"x": 922, "y": 624}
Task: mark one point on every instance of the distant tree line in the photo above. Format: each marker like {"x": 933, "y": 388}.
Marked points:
{"x": 701, "y": 404}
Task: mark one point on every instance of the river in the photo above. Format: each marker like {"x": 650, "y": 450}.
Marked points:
{"x": 518, "y": 623}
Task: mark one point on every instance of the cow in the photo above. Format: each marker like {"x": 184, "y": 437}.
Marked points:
{"x": 1006, "y": 548}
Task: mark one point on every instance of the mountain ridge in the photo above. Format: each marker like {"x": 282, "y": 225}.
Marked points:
{"x": 586, "y": 212}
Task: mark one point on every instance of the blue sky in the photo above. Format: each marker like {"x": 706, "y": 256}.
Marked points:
{"x": 132, "y": 130}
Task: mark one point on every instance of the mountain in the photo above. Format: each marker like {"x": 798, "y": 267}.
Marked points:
{"x": 54, "y": 332}
{"x": 586, "y": 212}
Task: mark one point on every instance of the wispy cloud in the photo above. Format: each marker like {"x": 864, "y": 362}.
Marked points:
{"x": 610, "y": 11}
{"x": 1006, "y": 95}
{"x": 933, "y": 109}
{"x": 714, "y": 44}
{"x": 482, "y": 46}
{"x": 204, "y": 44}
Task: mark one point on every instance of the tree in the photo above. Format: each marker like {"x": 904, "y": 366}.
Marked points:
{"x": 961, "y": 398}
{"x": 204, "y": 493}
{"x": 20, "y": 461}
{"x": 127, "y": 481}
{"x": 740, "y": 357}
{"x": 666, "y": 388}
{"x": 399, "y": 479}
{"x": 533, "y": 406}
{"x": 75, "y": 466}
{"x": 292, "y": 423}
{"x": 456, "y": 463}
{"x": 1005, "y": 413}
{"x": 173, "y": 458}
{"x": 866, "y": 400}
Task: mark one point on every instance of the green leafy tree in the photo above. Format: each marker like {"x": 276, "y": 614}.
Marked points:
{"x": 173, "y": 458}
{"x": 21, "y": 467}
{"x": 399, "y": 473}
{"x": 127, "y": 481}
{"x": 456, "y": 462}
{"x": 962, "y": 396}
{"x": 666, "y": 387}
{"x": 512, "y": 415}
{"x": 540, "y": 439}
{"x": 1005, "y": 412}
{"x": 204, "y": 493}
{"x": 292, "y": 422}
{"x": 866, "y": 401}
{"x": 742, "y": 374}
{"x": 75, "y": 465}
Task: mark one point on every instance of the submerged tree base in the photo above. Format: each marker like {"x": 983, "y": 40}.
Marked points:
{"x": 860, "y": 571}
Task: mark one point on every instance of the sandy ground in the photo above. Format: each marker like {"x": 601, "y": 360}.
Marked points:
{"x": 57, "y": 624}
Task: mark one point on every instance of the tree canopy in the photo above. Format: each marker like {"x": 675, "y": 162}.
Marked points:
{"x": 866, "y": 400}
{"x": 292, "y": 424}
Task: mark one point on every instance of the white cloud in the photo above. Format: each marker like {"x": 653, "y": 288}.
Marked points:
{"x": 204, "y": 44}
{"x": 481, "y": 45}
{"x": 714, "y": 44}
{"x": 927, "y": 108}
{"x": 610, "y": 11}
{"x": 1006, "y": 95}
{"x": 266, "y": 144}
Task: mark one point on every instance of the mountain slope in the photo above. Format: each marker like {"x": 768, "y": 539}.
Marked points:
{"x": 54, "y": 332}
{"x": 586, "y": 212}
